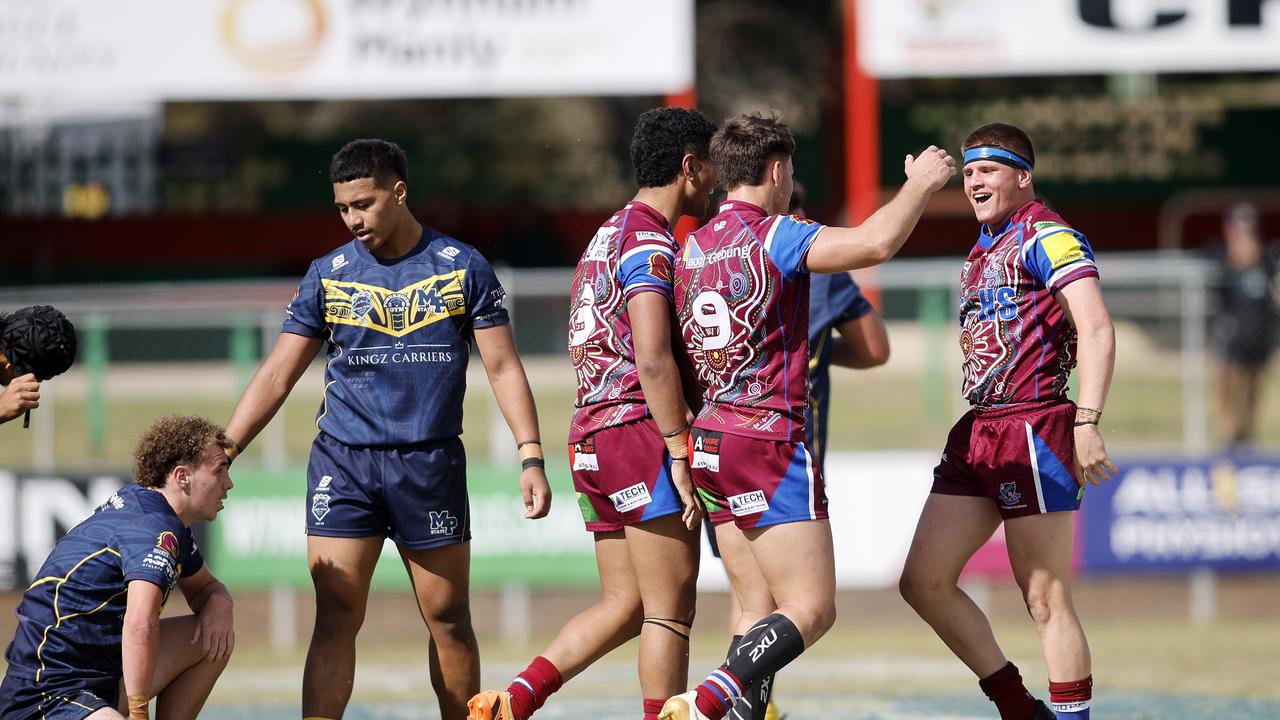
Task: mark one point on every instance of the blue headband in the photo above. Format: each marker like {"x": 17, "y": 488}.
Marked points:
{"x": 1000, "y": 155}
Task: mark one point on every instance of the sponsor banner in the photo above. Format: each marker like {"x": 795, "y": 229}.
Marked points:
{"x": 37, "y": 509}
{"x": 1175, "y": 515}
{"x": 278, "y": 49}
{"x": 928, "y": 38}
{"x": 259, "y": 539}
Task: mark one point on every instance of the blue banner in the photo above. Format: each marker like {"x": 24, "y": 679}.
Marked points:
{"x": 1175, "y": 515}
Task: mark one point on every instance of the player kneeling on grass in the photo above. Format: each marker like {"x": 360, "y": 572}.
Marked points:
{"x": 1021, "y": 456}
{"x": 742, "y": 303}
{"x": 635, "y": 491}
{"x": 90, "y": 642}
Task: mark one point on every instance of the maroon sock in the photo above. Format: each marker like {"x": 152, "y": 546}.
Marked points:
{"x": 1004, "y": 687}
{"x": 532, "y": 687}
{"x": 1071, "y": 697}
{"x": 652, "y": 707}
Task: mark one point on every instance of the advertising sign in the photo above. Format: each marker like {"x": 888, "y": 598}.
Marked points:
{"x": 1175, "y": 515}
{"x": 36, "y": 510}
{"x": 934, "y": 38}
{"x": 310, "y": 49}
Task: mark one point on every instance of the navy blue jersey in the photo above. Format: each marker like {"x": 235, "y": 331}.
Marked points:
{"x": 71, "y": 618}
{"x": 833, "y": 301}
{"x": 399, "y": 337}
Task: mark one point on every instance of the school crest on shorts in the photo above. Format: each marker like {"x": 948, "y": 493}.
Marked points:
{"x": 1009, "y": 494}
{"x": 319, "y": 506}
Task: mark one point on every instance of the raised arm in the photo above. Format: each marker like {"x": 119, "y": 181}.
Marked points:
{"x": 650, "y": 315}
{"x": 1096, "y": 357}
{"x": 511, "y": 389}
{"x": 838, "y": 249}
{"x": 269, "y": 388}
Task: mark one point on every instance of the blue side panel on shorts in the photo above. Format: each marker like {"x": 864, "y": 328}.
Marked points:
{"x": 791, "y": 500}
{"x": 664, "y": 498}
{"x": 1060, "y": 489}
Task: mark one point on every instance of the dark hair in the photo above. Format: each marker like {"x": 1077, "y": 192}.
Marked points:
{"x": 1004, "y": 136}
{"x": 662, "y": 138}
{"x": 38, "y": 339}
{"x": 742, "y": 149}
{"x": 797, "y": 197}
{"x": 378, "y": 159}
{"x": 172, "y": 441}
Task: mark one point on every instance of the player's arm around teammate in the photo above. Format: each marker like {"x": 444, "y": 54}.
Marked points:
{"x": 511, "y": 390}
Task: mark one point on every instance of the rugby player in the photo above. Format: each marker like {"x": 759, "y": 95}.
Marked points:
{"x": 634, "y": 489}
{"x": 399, "y": 307}
{"x": 90, "y": 642}
{"x": 742, "y": 304}
{"x": 1030, "y": 309}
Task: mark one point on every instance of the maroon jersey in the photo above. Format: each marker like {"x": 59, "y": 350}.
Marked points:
{"x": 630, "y": 254}
{"x": 1017, "y": 342}
{"x": 742, "y": 301}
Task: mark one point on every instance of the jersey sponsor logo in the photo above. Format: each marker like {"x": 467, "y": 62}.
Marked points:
{"x": 449, "y": 253}
{"x": 1062, "y": 249}
{"x": 442, "y": 522}
{"x": 339, "y": 261}
{"x": 693, "y": 257}
{"x": 584, "y": 455}
{"x": 629, "y": 499}
{"x": 997, "y": 302}
{"x": 114, "y": 501}
{"x": 320, "y": 506}
{"x": 649, "y": 235}
{"x": 395, "y": 312}
{"x": 719, "y": 226}
{"x": 1009, "y": 495}
{"x": 163, "y": 558}
{"x": 741, "y": 252}
{"x": 706, "y": 450}
{"x": 748, "y": 503}
{"x": 168, "y": 542}
{"x": 600, "y": 245}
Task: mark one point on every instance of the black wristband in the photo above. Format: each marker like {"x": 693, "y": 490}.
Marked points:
{"x": 1085, "y": 422}
{"x": 684, "y": 458}
{"x": 532, "y": 462}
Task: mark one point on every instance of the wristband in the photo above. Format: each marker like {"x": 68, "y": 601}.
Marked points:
{"x": 675, "y": 433}
{"x": 1088, "y": 416}
{"x": 530, "y": 450}
{"x": 139, "y": 707}
{"x": 532, "y": 462}
{"x": 1086, "y": 422}
{"x": 682, "y": 458}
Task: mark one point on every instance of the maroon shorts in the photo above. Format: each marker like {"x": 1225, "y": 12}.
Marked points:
{"x": 755, "y": 482}
{"x": 623, "y": 476}
{"x": 1020, "y": 456}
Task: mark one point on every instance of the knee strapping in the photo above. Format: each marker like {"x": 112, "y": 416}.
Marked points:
{"x": 672, "y": 625}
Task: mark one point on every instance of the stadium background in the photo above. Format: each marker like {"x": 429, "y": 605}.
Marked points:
{"x": 169, "y": 205}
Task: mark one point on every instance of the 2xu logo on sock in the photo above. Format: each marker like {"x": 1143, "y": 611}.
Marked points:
{"x": 765, "y": 643}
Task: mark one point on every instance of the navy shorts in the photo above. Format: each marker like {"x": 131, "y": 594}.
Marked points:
{"x": 416, "y": 494}
{"x": 55, "y": 699}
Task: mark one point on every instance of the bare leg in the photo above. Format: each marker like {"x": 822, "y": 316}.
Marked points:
{"x": 664, "y": 555}
{"x": 950, "y": 531}
{"x": 340, "y": 570}
{"x": 797, "y": 561}
{"x": 613, "y": 619}
{"x": 1040, "y": 551}
{"x": 183, "y": 677}
{"x": 750, "y": 592}
{"x": 441, "y": 581}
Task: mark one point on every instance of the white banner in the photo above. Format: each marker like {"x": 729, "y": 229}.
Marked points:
{"x": 922, "y": 38}
{"x": 256, "y": 49}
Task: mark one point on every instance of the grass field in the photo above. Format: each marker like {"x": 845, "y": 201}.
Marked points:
{"x": 879, "y": 662}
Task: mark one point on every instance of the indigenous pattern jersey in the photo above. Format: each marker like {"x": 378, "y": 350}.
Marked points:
{"x": 630, "y": 254}
{"x": 833, "y": 301}
{"x": 399, "y": 335}
{"x": 71, "y": 619}
{"x": 1017, "y": 342}
{"x": 742, "y": 301}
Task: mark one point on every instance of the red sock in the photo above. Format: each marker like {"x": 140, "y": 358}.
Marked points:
{"x": 532, "y": 687}
{"x": 1071, "y": 698}
{"x": 1004, "y": 687}
{"x": 652, "y": 708}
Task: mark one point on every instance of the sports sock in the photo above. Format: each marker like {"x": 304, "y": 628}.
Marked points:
{"x": 532, "y": 687}
{"x": 1071, "y": 700}
{"x": 1004, "y": 687}
{"x": 652, "y": 707}
{"x": 763, "y": 651}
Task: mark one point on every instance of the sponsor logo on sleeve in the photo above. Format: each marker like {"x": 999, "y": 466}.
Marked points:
{"x": 339, "y": 261}
{"x": 748, "y": 503}
{"x": 1062, "y": 249}
{"x": 164, "y": 557}
{"x": 629, "y": 499}
{"x": 449, "y": 253}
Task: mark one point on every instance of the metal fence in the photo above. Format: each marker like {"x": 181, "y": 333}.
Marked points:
{"x": 177, "y": 348}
